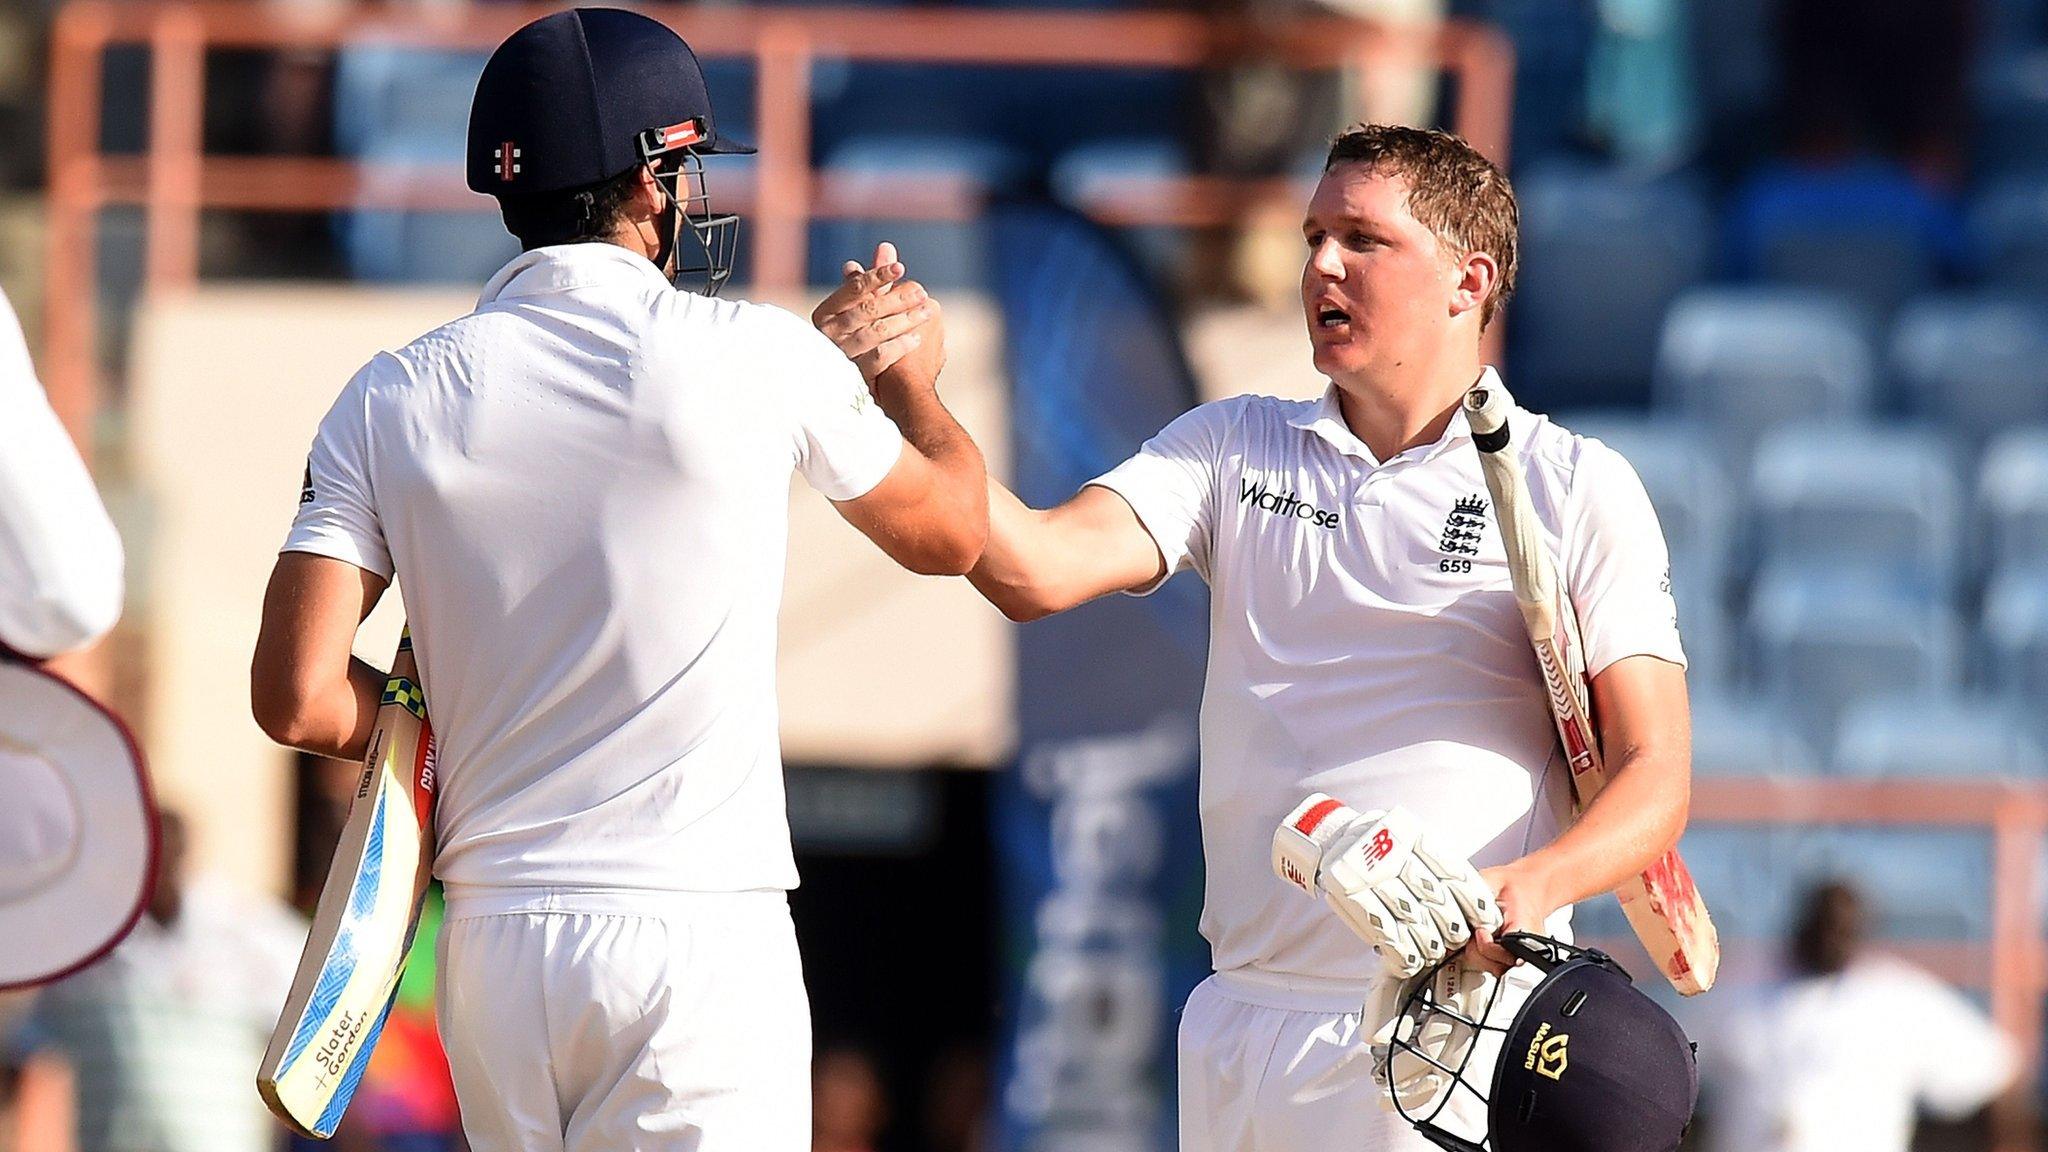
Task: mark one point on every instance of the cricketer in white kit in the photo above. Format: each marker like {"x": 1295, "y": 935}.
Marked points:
{"x": 1364, "y": 641}
{"x": 60, "y": 558}
{"x": 582, "y": 487}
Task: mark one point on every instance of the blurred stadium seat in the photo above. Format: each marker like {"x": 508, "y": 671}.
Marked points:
{"x": 1824, "y": 638}
{"x": 1085, "y": 175}
{"x": 407, "y": 106}
{"x": 385, "y": 94}
{"x": 1880, "y": 499}
{"x": 1737, "y": 867}
{"x": 1976, "y": 363}
{"x": 1745, "y": 359}
{"x": 939, "y": 253}
{"x": 2012, "y": 499}
{"x": 1923, "y": 883}
{"x": 1865, "y": 229}
{"x": 1690, "y": 491}
{"x": 1736, "y": 735}
{"x": 2012, "y": 112}
{"x": 1946, "y": 735}
{"x": 2007, "y": 225}
{"x": 2015, "y": 636}
{"x": 1603, "y": 255}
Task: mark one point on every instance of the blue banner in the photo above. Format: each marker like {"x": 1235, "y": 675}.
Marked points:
{"x": 1098, "y": 850}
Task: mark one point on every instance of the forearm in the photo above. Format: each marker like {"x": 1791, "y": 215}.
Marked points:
{"x": 960, "y": 473}
{"x": 1633, "y": 822}
{"x": 1016, "y": 563}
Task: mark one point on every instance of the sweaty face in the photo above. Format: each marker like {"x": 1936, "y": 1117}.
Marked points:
{"x": 1375, "y": 284}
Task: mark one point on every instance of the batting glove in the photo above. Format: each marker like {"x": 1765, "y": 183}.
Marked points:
{"x": 1412, "y": 1074}
{"x": 1412, "y": 905}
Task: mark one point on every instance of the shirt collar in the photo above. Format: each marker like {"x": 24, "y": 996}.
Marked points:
{"x": 561, "y": 267}
{"x": 1326, "y": 419}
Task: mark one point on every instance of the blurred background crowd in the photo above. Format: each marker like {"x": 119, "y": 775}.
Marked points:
{"x": 1789, "y": 256}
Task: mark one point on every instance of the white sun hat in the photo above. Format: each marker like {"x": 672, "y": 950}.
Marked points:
{"x": 78, "y": 828}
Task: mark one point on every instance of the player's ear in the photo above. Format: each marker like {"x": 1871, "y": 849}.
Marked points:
{"x": 649, "y": 197}
{"x": 1477, "y": 274}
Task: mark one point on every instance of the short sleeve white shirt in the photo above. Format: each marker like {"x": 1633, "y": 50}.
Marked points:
{"x": 60, "y": 558}
{"x": 1844, "y": 1061}
{"x": 583, "y": 489}
{"x": 1364, "y": 640}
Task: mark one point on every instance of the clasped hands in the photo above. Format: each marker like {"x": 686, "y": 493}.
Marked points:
{"x": 883, "y": 321}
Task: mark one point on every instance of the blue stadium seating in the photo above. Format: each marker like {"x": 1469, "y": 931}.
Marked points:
{"x": 2012, "y": 112}
{"x": 940, "y": 254}
{"x": 1943, "y": 735}
{"x": 1745, "y": 359}
{"x": 1877, "y": 498}
{"x": 1746, "y": 736}
{"x": 1738, "y": 870}
{"x": 1975, "y": 363}
{"x": 1084, "y": 173}
{"x": 403, "y": 106}
{"x": 1823, "y": 639}
{"x": 1922, "y": 883}
{"x": 2012, "y": 498}
{"x": 2011, "y": 24}
{"x": 1603, "y": 255}
{"x": 2015, "y": 635}
{"x": 2008, "y": 232}
{"x": 385, "y": 94}
{"x": 1866, "y": 229}
{"x": 1690, "y": 491}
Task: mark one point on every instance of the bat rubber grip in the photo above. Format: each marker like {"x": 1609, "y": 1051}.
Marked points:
{"x": 1486, "y": 411}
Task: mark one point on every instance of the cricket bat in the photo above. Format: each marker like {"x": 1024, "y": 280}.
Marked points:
{"x": 1663, "y": 904}
{"x": 363, "y": 928}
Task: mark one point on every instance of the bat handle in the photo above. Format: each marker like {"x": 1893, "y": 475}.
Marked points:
{"x": 1487, "y": 405}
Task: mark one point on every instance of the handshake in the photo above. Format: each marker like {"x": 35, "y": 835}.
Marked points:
{"x": 884, "y": 322}
{"x": 1376, "y": 869}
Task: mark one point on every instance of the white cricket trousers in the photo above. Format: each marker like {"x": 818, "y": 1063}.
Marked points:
{"x": 1271, "y": 1065}
{"x": 626, "y": 1021}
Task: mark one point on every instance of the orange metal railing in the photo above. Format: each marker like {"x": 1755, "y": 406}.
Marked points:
{"x": 174, "y": 180}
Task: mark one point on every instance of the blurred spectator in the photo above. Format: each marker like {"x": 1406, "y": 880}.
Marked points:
{"x": 1640, "y": 104}
{"x": 164, "y": 1035}
{"x": 956, "y": 1101}
{"x": 848, "y": 1109}
{"x": 1882, "y": 76}
{"x": 1838, "y": 1054}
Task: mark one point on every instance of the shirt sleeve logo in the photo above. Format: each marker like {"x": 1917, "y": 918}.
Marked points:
{"x": 306, "y": 486}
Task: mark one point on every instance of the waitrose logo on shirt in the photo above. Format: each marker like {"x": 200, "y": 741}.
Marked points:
{"x": 1283, "y": 504}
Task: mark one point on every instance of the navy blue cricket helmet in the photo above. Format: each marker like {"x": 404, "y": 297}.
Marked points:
{"x": 580, "y": 97}
{"x": 1588, "y": 1064}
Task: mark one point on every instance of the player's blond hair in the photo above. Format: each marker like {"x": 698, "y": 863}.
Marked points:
{"x": 1452, "y": 190}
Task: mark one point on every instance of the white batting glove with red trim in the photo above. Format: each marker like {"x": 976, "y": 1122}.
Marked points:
{"x": 1412, "y": 905}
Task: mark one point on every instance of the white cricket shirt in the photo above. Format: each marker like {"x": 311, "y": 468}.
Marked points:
{"x": 1822, "y": 1063}
{"x": 60, "y": 558}
{"x": 1364, "y": 641}
{"x": 583, "y": 488}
